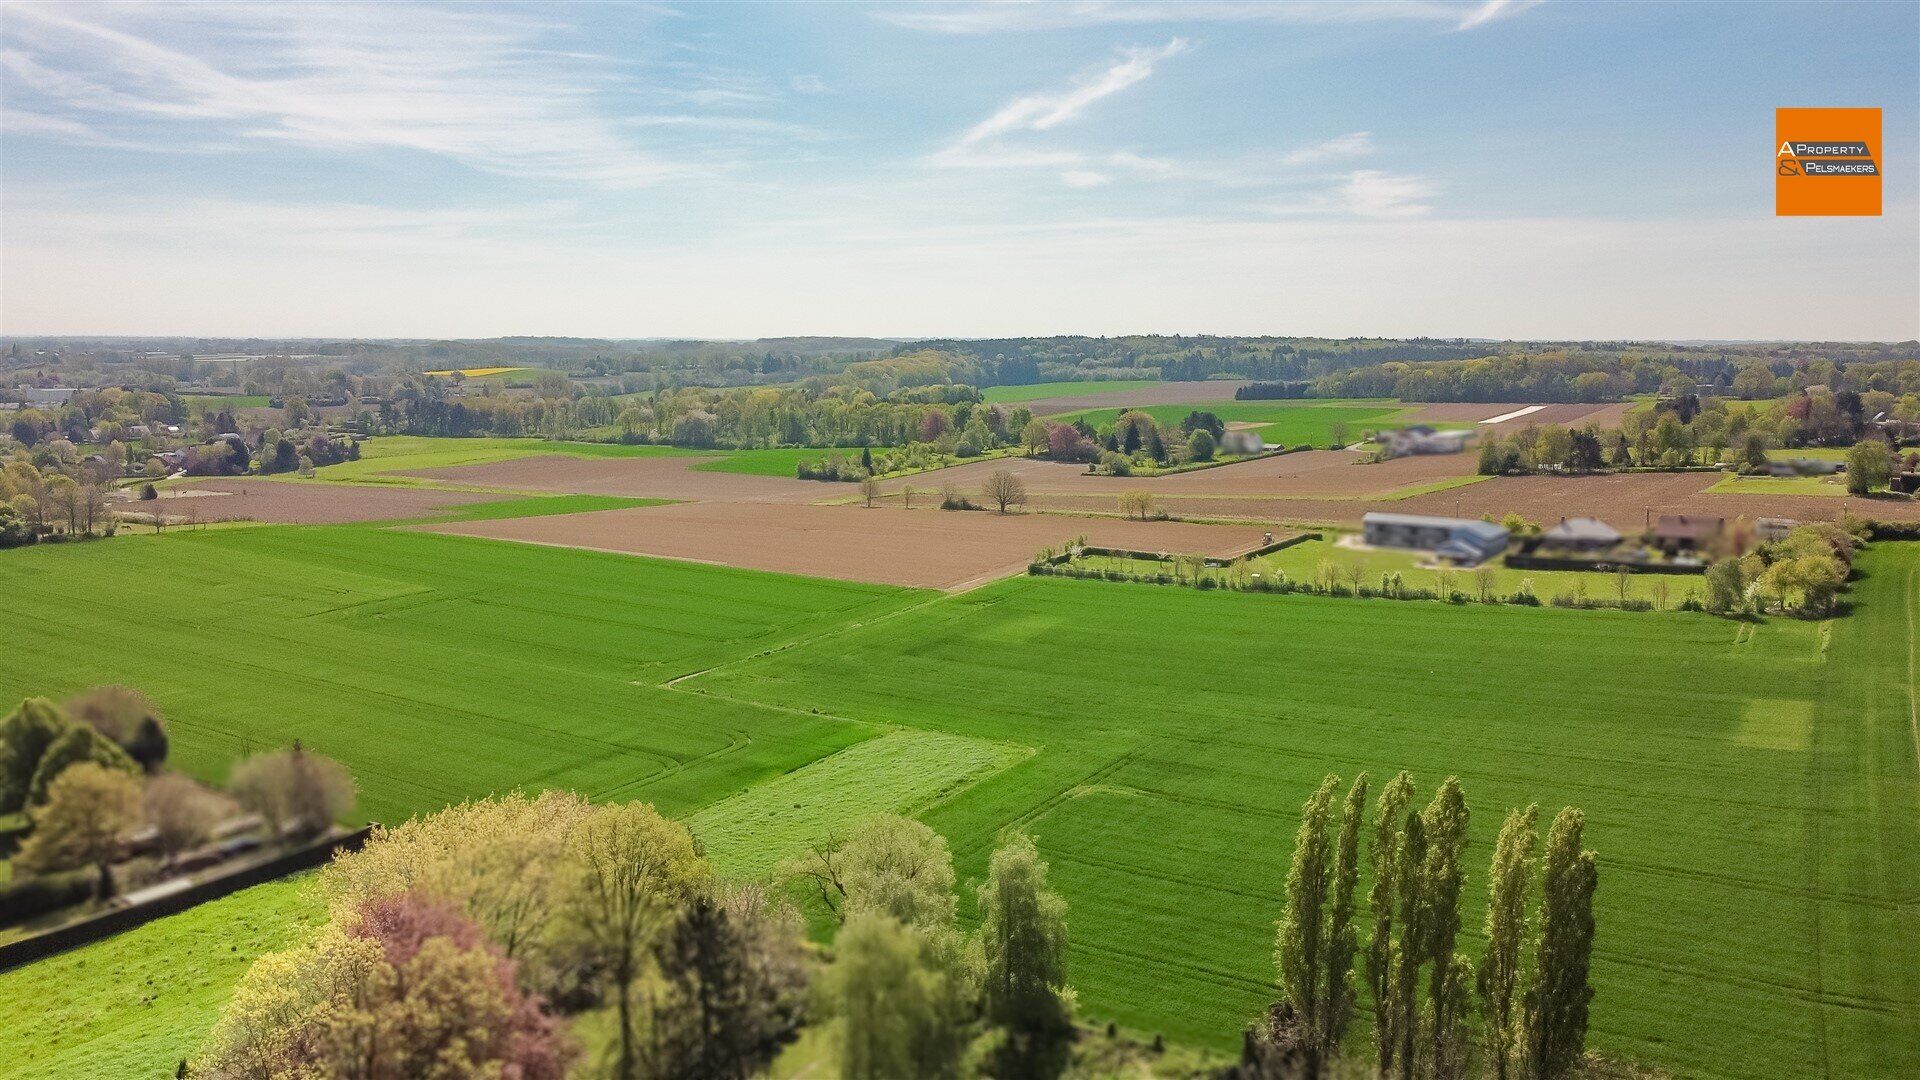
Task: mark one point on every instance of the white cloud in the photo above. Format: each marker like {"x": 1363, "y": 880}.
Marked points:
{"x": 808, "y": 84}
{"x": 1085, "y": 178}
{"x": 1046, "y": 110}
{"x": 1342, "y": 146}
{"x": 1375, "y": 194}
{"x": 484, "y": 87}
{"x": 996, "y": 16}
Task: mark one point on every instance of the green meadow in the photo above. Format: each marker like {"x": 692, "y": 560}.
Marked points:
{"x": 1751, "y": 788}
{"x": 390, "y": 454}
{"x": 1281, "y": 423}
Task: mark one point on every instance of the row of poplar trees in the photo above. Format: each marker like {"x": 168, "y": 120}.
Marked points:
{"x": 1531, "y": 983}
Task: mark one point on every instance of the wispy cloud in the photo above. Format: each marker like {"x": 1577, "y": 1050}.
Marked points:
{"x": 1354, "y": 144}
{"x": 1366, "y": 193}
{"x": 489, "y": 88}
{"x": 996, "y": 16}
{"x": 981, "y": 146}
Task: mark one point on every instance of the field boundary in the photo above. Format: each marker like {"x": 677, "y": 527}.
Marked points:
{"x": 15, "y": 954}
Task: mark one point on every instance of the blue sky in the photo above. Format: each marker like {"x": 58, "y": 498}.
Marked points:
{"x": 1423, "y": 167}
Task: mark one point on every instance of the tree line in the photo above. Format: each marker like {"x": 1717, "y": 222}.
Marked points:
{"x": 1530, "y": 987}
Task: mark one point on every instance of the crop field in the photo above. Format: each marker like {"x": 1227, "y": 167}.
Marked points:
{"x": 1281, "y": 423}
{"x": 390, "y": 454}
{"x": 784, "y": 461}
{"x": 1751, "y": 789}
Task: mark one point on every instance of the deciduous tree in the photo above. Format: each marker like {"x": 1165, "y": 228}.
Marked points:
{"x": 1500, "y": 986}
{"x": 88, "y": 809}
{"x": 1023, "y": 939}
{"x": 1005, "y": 490}
{"x": 1555, "y": 1015}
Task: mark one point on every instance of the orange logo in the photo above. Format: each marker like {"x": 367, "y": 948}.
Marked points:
{"x": 1826, "y": 162}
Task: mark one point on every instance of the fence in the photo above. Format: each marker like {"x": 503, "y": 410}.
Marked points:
{"x": 118, "y": 920}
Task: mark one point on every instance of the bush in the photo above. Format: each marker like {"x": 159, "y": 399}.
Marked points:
{"x": 78, "y": 744}
{"x": 35, "y": 896}
{"x": 25, "y": 736}
{"x": 148, "y": 493}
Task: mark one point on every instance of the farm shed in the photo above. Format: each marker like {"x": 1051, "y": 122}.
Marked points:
{"x": 1241, "y": 441}
{"x": 1463, "y": 540}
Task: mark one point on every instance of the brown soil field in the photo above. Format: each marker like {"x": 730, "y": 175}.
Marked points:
{"x": 1310, "y": 472}
{"x": 924, "y": 548}
{"x": 643, "y": 477}
{"x": 284, "y": 502}
{"x": 1472, "y": 412}
{"x": 1171, "y": 393}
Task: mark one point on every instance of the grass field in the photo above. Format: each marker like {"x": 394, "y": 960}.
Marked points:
{"x": 136, "y": 1004}
{"x": 389, "y": 454}
{"x": 1282, "y": 423}
{"x": 1732, "y": 484}
{"x": 1751, "y": 789}
{"x": 1016, "y": 395}
{"x": 784, "y": 461}
{"x": 1301, "y": 563}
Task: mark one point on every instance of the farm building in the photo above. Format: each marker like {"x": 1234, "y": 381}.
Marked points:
{"x": 1804, "y": 467}
{"x": 1677, "y": 533}
{"x": 1241, "y": 441}
{"x": 1421, "y": 439}
{"x": 1580, "y": 534}
{"x": 1463, "y": 540}
{"x": 1768, "y": 529}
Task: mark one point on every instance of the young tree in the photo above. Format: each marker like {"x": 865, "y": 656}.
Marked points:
{"x": 888, "y": 864}
{"x": 1869, "y": 466}
{"x": 1023, "y": 937}
{"x": 124, "y": 715}
{"x": 1299, "y": 951}
{"x": 1200, "y": 446}
{"x": 1005, "y": 490}
{"x": 503, "y": 861}
{"x": 88, "y": 809}
{"x": 1555, "y": 1011}
{"x": 1726, "y": 587}
{"x": 1500, "y": 972}
{"x": 1341, "y": 939}
{"x": 869, "y": 490}
{"x": 632, "y": 870}
{"x": 1387, "y": 852}
{"x": 77, "y": 744}
{"x": 734, "y": 977}
{"x": 403, "y": 987}
{"x": 1442, "y": 879}
{"x": 183, "y": 814}
{"x": 903, "y": 998}
{"x": 24, "y": 737}
{"x": 294, "y": 791}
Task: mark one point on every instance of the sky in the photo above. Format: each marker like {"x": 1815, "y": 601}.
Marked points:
{"x": 1504, "y": 169}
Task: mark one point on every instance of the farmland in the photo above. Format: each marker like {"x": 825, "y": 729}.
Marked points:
{"x": 1280, "y": 423}
{"x": 1752, "y": 793}
{"x": 1019, "y": 395}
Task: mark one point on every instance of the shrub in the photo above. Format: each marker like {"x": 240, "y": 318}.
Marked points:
{"x": 148, "y": 493}
{"x": 24, "y": 737}
{"x": 31, "y": 897}
{"x": 124, "y": 715}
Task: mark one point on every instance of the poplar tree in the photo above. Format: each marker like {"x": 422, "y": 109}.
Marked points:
{"x": 1299, "y": 949}
{"x": 1408, "y": 947}
{"x": 1337, "y": 998}
{"x": 1385, "y": 852}
{"x": 1442, "y": 878}
{"x": 1556, "y": 1004}
{"x": 1508, "y": 884}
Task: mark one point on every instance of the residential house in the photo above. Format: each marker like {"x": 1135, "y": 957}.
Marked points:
{"x": 1678, "y": 534}
{"x": 1581, "y": 534}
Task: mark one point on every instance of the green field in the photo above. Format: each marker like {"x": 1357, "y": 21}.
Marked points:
{"x": 1301, "y": 563}
{"x": 135, "y": 1005}
{"x": 1732, "y": 484}
{"x": 1016, "y": 395}
{"x": 1282, "y": 423}
{"x": 1751, "y": 789}
{"x": 784, "y": 461}
{"x": 390, "y": 454}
